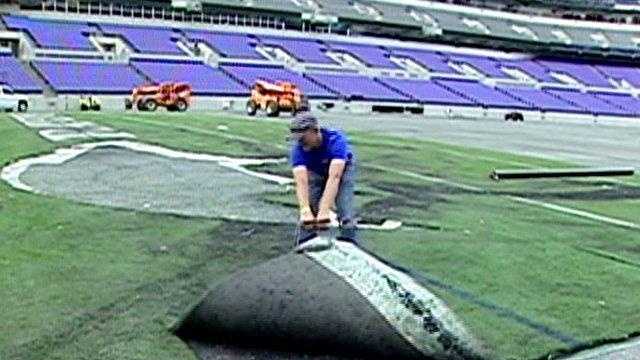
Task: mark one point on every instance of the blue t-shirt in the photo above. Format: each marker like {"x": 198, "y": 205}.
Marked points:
{"x": 334, "y": 146}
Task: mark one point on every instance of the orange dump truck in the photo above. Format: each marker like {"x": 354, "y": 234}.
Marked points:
{"x": 276, "y": 97}
{"x": 173, "y": 96}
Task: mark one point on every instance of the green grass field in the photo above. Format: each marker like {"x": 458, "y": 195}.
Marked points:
{"x": 92, "y": 282}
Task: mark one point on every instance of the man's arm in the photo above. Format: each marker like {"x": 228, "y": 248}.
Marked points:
{"x": 336, "y": 168}
{"x": 301, "y": 178}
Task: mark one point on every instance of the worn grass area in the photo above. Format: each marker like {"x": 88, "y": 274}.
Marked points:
{"x": 526, "y": 280}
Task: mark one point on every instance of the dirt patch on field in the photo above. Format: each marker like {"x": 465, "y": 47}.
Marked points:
{"x": 122, "y": 178}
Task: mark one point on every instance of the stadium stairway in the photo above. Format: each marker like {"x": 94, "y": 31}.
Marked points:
{"x": 397, "y": 90}
{"x": 233, "y": 77}
{"x": 47, "y": 89}
{"x": 563, "y": 99}
{"x": 141, "y": 73}
{"x": 524, "y": 100}
{"x": 320, "y": 84}
{"x": 457, "y": 92}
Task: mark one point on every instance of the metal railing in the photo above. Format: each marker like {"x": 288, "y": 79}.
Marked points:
{"x": 161, "y": 13}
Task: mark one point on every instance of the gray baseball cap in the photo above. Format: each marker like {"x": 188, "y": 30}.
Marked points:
{"x": 300, "y": 123}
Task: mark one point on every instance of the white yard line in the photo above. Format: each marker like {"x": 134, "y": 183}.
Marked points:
{"x": 576, "y": 212}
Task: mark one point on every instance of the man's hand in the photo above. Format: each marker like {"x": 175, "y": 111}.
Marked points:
{"x": 307, "y": 219}
{"x": 323, "y": 220}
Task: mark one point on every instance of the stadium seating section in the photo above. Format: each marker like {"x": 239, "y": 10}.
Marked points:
{"x": 452, "y": 78}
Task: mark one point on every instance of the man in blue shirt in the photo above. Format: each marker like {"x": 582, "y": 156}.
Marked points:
{"x": 324, "y": 173}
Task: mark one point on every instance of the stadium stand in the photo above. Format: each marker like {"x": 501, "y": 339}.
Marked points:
{"x": 371, "y": 55}
{"x": 589, "y": 102}
{"x": 481, "y": 94}
{"x": 495, "y": 81}
{"x": 531, "y": 68}
{"x": 426, "y": 92}
{"x": 540, "y": 100}
{"x": 152, "y": 40}
{"x": 629, "y": 74}
{"x": 623, "y": 101}
{"x": 13, "y": 74}
{"x": 89, "y": 77}
{"x": 582, "y": 72}
{"x": 356, "y": 87}
{"x": 204, "y": 79}
{"x": 53, "y": 34}
{"x": 247, "y": 75}
{"x": 432, "y": 61}
{"x": 488, "y": 66}
{"x": 309, "y": 51}
{"x": 230, "y": 45}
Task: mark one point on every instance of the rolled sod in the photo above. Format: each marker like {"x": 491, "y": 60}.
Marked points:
{"x": 308, "y": 305}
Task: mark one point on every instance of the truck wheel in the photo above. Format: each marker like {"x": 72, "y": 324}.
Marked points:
{"x": 181, "y": 105}
{"x": 84, "y": 107}
{"x": 96, "y": 108}
{"x": 252, "y": 108}
{"x": 128, "y": 105}
{"x": 272, "y": 109}
{"x": 23, "y": 106}
{"x": 150, "y": 105}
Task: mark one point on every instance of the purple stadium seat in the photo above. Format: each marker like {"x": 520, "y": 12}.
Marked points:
{"x": 431, "y": 60}
{"x": 541, "y": 100}
{"x": 231, "y": 45}
{"x": 53, "y": 34}
{"x": 481, "y": 94}
{"x": 485, "y": 65}
{"x": 309, "y": 51}
{"x": 13, "y": 74}
{"x": 89, "y": 77}
{"x": 628, "y": 73}
{"x": 593, "y": 104}
{"x": 204, "y": 79}
{"x": 426, "y": 91}
{"x": 249, "y": 74}
{"x": 145, "y": 39}
{"x": 626, "y": 102}
{"x": 358, "y": 87}
{"x": 531, "y": 68}
{"x": 371, "y": 55}
{"x": 583, "y": 72}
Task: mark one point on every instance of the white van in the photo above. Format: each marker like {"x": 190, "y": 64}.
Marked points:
{"x": 11, "y": 101}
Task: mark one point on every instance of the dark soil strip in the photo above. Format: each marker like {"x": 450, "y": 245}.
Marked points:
{"x": 608, "y": 256}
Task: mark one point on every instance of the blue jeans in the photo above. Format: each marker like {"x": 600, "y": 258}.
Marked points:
{"x": 344, "y": 203}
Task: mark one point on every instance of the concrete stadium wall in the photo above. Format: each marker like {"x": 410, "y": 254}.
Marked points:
{"x": 39, "y": 103}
